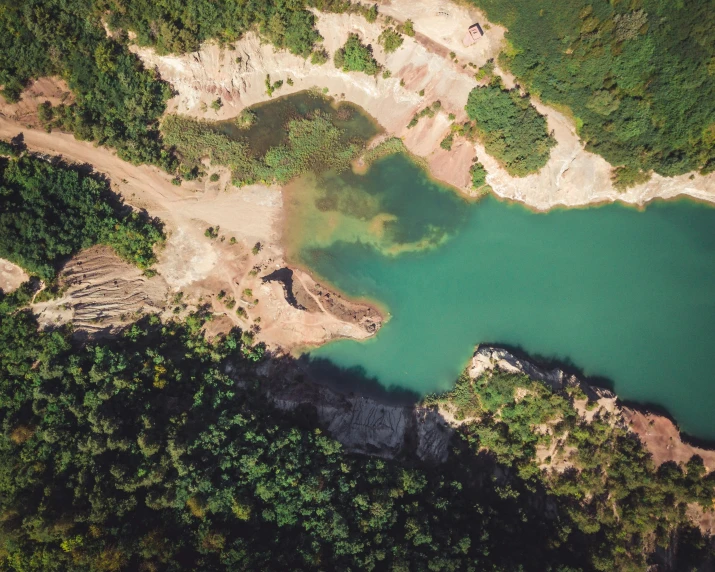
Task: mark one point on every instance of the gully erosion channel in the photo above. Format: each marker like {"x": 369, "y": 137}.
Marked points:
{"x": 622, "y": 295}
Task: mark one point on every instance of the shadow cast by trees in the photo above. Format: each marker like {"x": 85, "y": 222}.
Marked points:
{"x": 78, "y": 209}
{"x": 354, "y": 380}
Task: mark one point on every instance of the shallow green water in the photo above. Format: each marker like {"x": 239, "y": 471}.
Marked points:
{"x": 270, "y": 124}
{"x": 620, "y": 294}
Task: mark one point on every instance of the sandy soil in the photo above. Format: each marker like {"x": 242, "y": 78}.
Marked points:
{"x": 662, "y": 439}
{"x": 11, "y": 276}
{"x": 52, "y": 89}
{"x": 572, "y": 177}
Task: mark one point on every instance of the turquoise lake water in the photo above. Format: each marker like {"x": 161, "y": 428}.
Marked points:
{"x": 622, "y": 295}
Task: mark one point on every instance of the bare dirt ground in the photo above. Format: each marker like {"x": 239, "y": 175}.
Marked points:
{"x": 191, "y": 263}
{"x": 572, "y": 177}
{"x": 662, "y": 438}
{"x": 52, "y": 89}
{"x": 11, "y": 276}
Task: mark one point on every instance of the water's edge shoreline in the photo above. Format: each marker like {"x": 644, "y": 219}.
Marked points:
{"x": 373, "y": 426}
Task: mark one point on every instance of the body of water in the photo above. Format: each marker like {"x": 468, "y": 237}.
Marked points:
{"x": 620, "y": 294}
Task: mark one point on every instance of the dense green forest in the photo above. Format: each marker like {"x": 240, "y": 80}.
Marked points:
{"x": 143, "y": 453}
{"x": 355, "y": 56}
{"x": 639, "y": 77}
{"x": 510, "y": 128}
{"x": 117, "y": 102}
{"x": 48, "y": 212}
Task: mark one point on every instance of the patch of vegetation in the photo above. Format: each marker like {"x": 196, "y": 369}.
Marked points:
{"x": 625, "y": 176}
{"x": 271, "y": 87}
{"x": 390, "y": 40}
{"x": 256, "y": 248}
{"x": 355, "y": 56}
{"x": 485, "y": 72}
{"x": 447, "y": 142}
{"x": 245, "y": 119}
{"x": 319, "y": 57}
{"x": 478, "y": 174}
{"x": 638, "y": 78}
{"x": 49, "y": 212}
{"x": 428, "y": 111}
{"x": 216, "y": 104}
{"x": 387, "y": 147}
{"x": 195, "y": 139}
{"x": 212, "y": 232}
{"x": 314, "y": 144}
{"x": 510, "y": 128}
{"x": 407, "y": 28}
{"x": 368, "y": 12}
{"x": 174, "y": 27}
{"x": 214, "y": 177}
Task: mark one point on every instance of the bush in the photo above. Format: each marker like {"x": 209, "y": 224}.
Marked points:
{"x": 478, "y": 174}
{"x": 319, "y": 57}
{"x": 390, "y": 40}
{"x": 625, "y": 176}
{"x": 354, "y": 56}
{"x": 271, "y": 87}
{"x": 407, "y": 28}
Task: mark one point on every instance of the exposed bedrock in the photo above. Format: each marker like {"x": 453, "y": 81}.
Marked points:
{"x": 369, "y": 426}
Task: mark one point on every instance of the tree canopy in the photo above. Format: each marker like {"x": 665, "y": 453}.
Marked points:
{"x": 510, "y": 128}
{"x": 638, "y": 77}
{"x": 50, "y": 212}
{"x": 356, "y": 56}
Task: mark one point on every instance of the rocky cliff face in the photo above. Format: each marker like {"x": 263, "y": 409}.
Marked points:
{"x": 367, "y": 426}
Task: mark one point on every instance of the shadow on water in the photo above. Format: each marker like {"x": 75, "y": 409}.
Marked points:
{"x": 567, "y": 365}
{"x": 354, "y": 380}
{"x": 551, "y": 362}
